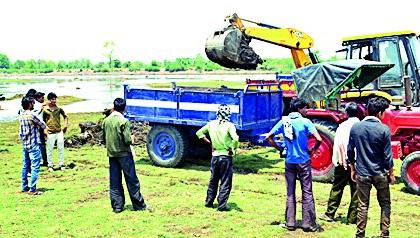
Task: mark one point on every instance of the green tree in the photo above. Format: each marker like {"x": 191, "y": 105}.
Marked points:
{"x": 126, "y": 65}
{"x": 199, "y": 62}
{"x": 109, "y": 48}
{"x": 116, "y": 63}
{"x": 136, "y": 66}
{"x": 19, "y": 64}
{"x": 4, "y": 61}
{"x": 62, "y": 65}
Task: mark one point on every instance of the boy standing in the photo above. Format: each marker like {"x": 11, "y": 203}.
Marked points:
{"x": 56, "y": 134}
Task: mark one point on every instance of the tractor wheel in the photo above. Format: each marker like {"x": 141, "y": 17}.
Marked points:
{"x": 321, "y": 160}
{"x": 410, "y": 172}
{"x": 328, "y": 124}
{"x": 167, "y": 146}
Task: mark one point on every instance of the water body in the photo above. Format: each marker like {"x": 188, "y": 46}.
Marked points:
{"x": 99, "y": 91}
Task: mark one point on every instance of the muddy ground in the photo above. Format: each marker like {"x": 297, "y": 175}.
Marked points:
{"x": 91, "y": 133}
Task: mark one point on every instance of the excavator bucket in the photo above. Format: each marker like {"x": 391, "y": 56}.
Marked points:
{"x": 230, "y": 48}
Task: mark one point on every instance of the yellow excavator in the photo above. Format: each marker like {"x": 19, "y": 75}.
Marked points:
{"x": 230, "y": 47}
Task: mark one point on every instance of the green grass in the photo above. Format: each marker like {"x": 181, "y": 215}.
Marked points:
{"x": 65, "y": 100}
{"x": 16, "y": 96}
{"x": 20, "y": 80}
{"x": 62, "y": 100}
{"x": 76, "y": 201}
{"x": 204, "y": 84}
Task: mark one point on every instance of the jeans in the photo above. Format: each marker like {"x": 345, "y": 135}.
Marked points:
{"x": 341, "y": 180}
{"x": 303, "y": 172}
{"x": 364, "y": 185}
{"x": 116, "y": 190}
{"x": 31, "y": 162}
{"x": 52, "y": 138}
{"x": 221, "y": 169}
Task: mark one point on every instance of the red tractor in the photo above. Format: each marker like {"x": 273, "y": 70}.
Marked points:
{"x": 399, "y": 85}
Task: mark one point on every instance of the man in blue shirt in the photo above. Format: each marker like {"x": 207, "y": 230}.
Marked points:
{"x": 374, "y": 164}
{"x": 295, "y": 130}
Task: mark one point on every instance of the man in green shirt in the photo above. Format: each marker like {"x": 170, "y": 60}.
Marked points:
{"x": 224, "y": 141}
{"x": 51, "y": 115}
{"x": 117, "y": 137}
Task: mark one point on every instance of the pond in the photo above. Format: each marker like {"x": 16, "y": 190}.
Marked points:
{"x": 99, "y": 91}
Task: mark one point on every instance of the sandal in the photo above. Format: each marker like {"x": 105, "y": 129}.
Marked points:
{"x": 35, "y": 192}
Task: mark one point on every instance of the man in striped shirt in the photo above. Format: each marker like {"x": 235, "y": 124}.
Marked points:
{"x": 31, "y": 138}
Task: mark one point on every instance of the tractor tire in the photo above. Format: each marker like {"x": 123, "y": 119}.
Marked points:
{"x": 321, "y": 160}
{"x": 167, "y": 146}
{"x": 330, "y": 125}
{"x": 410, "y": 172}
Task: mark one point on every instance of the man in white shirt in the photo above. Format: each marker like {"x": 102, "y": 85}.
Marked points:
{"x": 342, "y": 172}
{"x": 39, "y": 104}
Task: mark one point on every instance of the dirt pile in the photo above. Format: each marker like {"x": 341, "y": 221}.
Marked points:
{"x": 91, "y": 133}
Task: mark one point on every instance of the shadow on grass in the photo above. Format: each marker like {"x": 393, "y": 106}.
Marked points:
{"x": 242, "y": 164}
{"x": 45, "y": 189}
{"x": 234, "y": 206}
{"x": 406, "y": 190}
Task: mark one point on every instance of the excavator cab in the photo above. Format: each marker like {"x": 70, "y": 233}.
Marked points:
{"x": 399, "y": 48}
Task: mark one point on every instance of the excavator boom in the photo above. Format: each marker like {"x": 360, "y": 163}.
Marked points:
{"x": 230, "y": 47}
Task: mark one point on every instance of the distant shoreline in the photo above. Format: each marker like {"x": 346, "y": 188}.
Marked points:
{"x": 188, "y": 72}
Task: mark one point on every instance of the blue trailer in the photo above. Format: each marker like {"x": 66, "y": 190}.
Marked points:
{"x": 176, "y": 113}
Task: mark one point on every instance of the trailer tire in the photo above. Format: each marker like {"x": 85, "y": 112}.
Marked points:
{"x": 167, "y": 146}
{"x": 410, "y": 172}
{"x": 321, "y": 160}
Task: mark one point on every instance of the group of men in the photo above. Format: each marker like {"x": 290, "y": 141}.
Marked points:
{"x": 367, "y": 140}
{"x": 40, "y": 129}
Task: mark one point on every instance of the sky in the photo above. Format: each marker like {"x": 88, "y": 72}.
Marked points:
{"x": 159, "y": 29}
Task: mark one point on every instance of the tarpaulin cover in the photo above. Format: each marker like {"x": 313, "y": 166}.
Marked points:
{"x": 316, "y": 82}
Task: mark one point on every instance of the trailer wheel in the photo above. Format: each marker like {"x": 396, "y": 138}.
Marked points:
{"x": 410, "y": 172}
{"x": 321, "y": 160}
{"x": 167, "y": 146}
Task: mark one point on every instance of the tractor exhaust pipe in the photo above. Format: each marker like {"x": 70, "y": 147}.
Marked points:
{"x": 407, "y": 90}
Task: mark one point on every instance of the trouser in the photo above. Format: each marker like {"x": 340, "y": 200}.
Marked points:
{"x": 116, "y": 190}
{"x": 43, "y": 148}
{"x": 31, "y": 161}
{"x": 341, "y": 179}
{"x": 303, "y": 172}
{"x": 221, "y": 169}
{"x": 52, "y": 138}
{"x": 364, "y": 185}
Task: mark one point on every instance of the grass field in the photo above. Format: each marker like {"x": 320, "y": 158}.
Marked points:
{"x": 76, "y": 203}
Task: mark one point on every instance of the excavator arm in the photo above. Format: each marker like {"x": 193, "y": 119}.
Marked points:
{"x": 234, "y": 51}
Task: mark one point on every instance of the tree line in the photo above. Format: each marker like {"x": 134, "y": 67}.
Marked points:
{"x": 197, "y": 63}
